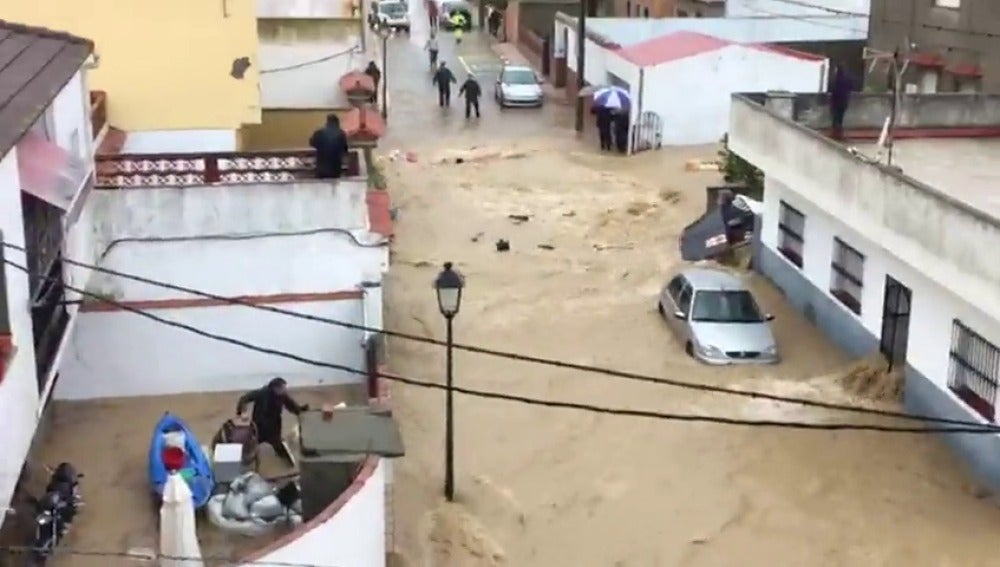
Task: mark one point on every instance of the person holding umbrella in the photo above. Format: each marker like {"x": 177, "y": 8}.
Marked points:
{"x": 612, "y": 105}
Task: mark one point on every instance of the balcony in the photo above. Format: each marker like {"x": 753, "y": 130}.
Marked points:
{"x": 228, "y": 168}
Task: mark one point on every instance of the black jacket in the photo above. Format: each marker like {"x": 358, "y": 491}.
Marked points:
{"x": 330, "y": 144}
{"x": 372, "y": 71}
{"x": 471, "y": 89}
{"x": 267, "y": 408}
{"x": 443, "y": 78}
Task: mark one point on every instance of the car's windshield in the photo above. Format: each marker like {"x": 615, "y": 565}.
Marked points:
{"x": 392, "y": 8}
{"x": 519, "y": 77}
{"x": 725, "y": 307}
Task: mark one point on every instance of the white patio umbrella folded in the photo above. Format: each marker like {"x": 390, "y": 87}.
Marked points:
{"x": 178, "y": 538}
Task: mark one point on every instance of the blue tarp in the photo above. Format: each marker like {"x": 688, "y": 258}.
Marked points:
{"x": 198, "y": 468}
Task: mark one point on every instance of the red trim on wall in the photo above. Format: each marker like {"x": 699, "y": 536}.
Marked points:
{"x": 6, "y": 353}
{"x": 184, "y": 303}
{"x": 925, "y": 59}
{"x": 912, "y": 133}
{"x": 964, "y": 70}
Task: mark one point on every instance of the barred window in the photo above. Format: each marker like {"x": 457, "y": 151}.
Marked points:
{"x": 847, "y": 275}
{"x": 791, "y": 232}
{"x": 974, "y": 369}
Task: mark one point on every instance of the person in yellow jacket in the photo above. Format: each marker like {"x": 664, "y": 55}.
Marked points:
{"x": 458, "y": 22}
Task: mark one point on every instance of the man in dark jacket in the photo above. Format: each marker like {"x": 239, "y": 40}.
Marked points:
{"x": 472, "y": 91}
{"x": 330, "y": 144}
{"x": 443, "y": 78}
{"x": 268, "y": 403}
{"x": 841, "y": 86}
{"x": 372, "y": 71}
{"x": 619, "y": 122}
{"x": 604, "y": 127}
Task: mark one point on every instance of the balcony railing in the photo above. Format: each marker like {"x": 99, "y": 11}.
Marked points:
{"x": 98, "y": 112}
{"x": 185, "y": 170}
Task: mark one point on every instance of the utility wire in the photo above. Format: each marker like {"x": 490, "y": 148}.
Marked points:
{"x": 978, "y": 428}
{"x": 349, "y": 51}
{"x": 522, "y": 357}
{"x": 71, "y": 551}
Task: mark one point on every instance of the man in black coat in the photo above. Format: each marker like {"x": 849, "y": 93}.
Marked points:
{"x": 268, "y": 403}
{"x": 604, "y": 127}
{"x": 373, "y": 71}
{"x": 619, "y": 122}
{"x": 443, "y": 78}
{"x": 472, "y": 91}
{"x": 330, "y": 144}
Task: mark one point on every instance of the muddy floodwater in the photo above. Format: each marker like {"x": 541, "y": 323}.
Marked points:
{"x": 544, "y": 487}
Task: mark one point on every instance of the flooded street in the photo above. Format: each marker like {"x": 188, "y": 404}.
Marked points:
{"x": 538, "y": 486}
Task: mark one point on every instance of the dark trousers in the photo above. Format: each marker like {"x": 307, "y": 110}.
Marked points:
{"x": 280, "y": 448}
{"x": 837, "y": 118}
{"x": 444, "y": 97}
{"x": 621, "y": 137}
{"x": 604, "y": 134}
{"x": 333, "y": 171}
{"x": 471, "y": 103}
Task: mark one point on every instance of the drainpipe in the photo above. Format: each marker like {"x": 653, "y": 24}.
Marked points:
{"x": 637, "y": 125}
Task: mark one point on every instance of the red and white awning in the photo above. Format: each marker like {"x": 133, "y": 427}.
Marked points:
{"x": 53, "y": 174}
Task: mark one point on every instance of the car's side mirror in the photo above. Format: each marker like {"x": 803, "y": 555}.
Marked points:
{"x": 680, "y": 315}
{"x": 769, "y": 317}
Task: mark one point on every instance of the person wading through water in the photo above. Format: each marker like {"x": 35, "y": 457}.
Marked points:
{"x": 432, "y": 49}
{"x": 268, "y": 403}
{"x": 472, "y": 91}
{"x": 604, "y": 127}
{"x": 443, "y": 78}
{"x": 330, "y": 144}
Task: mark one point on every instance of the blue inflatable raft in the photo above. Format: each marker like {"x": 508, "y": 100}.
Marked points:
{"x": 197, "y": 469}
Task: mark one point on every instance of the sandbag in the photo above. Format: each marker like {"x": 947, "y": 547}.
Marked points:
{"x": 234, "y": 505}
{"x": 267, "y": 508}
{"x": 252, "y": 527}
{"x": 256, "y": 488}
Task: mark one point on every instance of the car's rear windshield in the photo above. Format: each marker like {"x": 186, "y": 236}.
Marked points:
{"x": 728, "y": 306}
{"x": 392, "y": 8}
{"x": 519, "y": 77}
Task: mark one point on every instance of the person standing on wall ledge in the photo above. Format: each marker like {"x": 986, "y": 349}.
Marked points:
{"x": 373, "y": 71}
{"x": 268, "y": 403}
{"x": 330, "y": 144}
{"x": 841, "y": 86}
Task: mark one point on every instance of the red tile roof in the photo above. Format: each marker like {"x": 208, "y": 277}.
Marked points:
{"x": 35, "y": 64}
{"x": 362, "y": 124}
{"x": 678, "y": 45}
{"x": 354, "y": 81}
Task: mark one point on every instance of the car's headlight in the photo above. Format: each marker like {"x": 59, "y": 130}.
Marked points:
{"x": 711, "y": 351}
{"x": 771, "y": 350}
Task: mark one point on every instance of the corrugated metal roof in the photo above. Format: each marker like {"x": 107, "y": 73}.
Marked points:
{"x": 35, "y": 64}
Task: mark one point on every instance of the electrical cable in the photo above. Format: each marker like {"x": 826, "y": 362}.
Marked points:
{"x": 349, "y": 51}
{"x": 816, "y": 20}
{"x": 979, "y": 428}
{"x": 813, "y": 6}
{"x": 71, "y": 551}
{"x": 522, "y": 357}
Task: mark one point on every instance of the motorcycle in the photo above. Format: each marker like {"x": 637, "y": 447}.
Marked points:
{"x": 55, "y": 511}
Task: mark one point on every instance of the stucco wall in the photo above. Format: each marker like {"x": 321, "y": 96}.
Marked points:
{"x": 931, "y": 231}
{"x": 180, "y": 141}
{"x": 705, "y": 118}
{"x": 353, "y": 536}
{"x": 166, "y": 66}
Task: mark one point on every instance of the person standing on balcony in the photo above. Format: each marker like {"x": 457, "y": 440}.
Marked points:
{"x": 840, "y": 97}
{"x": 330, "y": 144}
{"x": 268, "y": 404}
{"x": 373, "y": 71}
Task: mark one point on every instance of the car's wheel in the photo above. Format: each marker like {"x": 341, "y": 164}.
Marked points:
{"x": 689, "y": 349}
{"x": 659, "y": 307}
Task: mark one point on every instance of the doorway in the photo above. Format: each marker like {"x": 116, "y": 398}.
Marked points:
{"x": 895, "y": 321}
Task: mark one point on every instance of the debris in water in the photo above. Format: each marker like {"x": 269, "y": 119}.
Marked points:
{"x": 503, "y": 245}
{"x": 518, "y": 219}
{"x": 477, "y": 236}
{"x": 569, "y": 214}
{"x": 871, "y": 378}
{"x": 601, "y": 247}
{"x": 546, "y": 247}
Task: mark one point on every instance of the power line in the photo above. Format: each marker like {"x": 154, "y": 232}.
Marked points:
{"x": 522, "y": 357}
{"x": 812, "y": 6}
{"x": 976, "y": 428}
{"x": 71, "y": 551}
{"x": 351, "y": 50}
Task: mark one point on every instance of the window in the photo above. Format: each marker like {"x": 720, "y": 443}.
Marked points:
{"x": 682, "y": 14}
{"x": 645, "y": 12}
{"x": 684, "y": 300}
{"x": 974, "y": 370}
{"x": 628, "y": 8}
{"x": 848, "y": 274}
{"x": 791, "y": 233}
{"x": 675, "y": 287}
{"x": 725, "y": 307}
{"x": 956, "y": 4}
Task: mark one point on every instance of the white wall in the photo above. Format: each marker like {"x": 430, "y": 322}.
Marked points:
{"x": 18, "y": 388}
{"x": 595, "y": 56}
{"x": 117, "y": 353}
{"x": 180, "y": 141}
{"x": 744, "y": 8}
{"x": 307, "y": 9}
{"x": 703, "y": 119}
{"x": 933, "y": 307}
{"x": 353, "y": 537}
{"x": 311, "y": 86}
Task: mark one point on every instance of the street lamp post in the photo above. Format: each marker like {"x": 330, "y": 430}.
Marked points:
{"x": 448, "y": 285}
{"x": 384, "y": 32}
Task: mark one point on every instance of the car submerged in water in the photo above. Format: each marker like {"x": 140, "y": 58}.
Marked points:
{"x": 518, "y": 85}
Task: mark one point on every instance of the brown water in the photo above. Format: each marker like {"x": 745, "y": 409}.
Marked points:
{"x": 540, "y": 486}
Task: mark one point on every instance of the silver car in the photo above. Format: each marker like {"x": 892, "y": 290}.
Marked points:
{"x": 717, "y": 319}
{"x": 518, "y": 86}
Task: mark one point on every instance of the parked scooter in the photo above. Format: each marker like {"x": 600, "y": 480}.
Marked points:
{"x": 55, "y": 511}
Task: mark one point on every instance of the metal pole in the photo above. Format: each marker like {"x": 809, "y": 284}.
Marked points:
{"x": 449, "y": 424}
{"x": 385, "y": 75}
{"x": 581, "y": 44}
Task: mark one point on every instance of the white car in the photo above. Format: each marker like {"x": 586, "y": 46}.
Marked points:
{"x": 518, "y": 85}
{"x": 394, "y": 15}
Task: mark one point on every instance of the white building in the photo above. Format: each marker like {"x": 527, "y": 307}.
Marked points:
{"x": 902, "y": 261}
{"x": 752, "y": 8}
{"x": 46, "y": 164}
{"x": 661, "y": 72}
{"x": 306, "y": 46}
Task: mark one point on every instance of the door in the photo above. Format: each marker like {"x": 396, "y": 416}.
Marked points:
{"x": 895, "y": 322}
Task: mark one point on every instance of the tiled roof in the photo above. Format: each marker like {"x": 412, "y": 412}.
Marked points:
{"x": 35, "y": 64}
{"x": 678, "y": 45}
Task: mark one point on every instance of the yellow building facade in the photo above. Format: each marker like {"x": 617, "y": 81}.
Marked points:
{"x": 167, "y": 67}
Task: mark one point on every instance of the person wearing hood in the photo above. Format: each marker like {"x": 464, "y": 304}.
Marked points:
{"x": 330, "y": 144}
{"x": 841, "y": 86}
{"x": 444, "y": 78}
{"x": 373, "y": 71}
{"x": 472, "y": 91}
{"x": 268, "y": 404}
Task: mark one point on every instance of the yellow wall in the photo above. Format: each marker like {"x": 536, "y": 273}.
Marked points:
{"x": 284, "y": 129}
{"x": 165, "y": 65}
